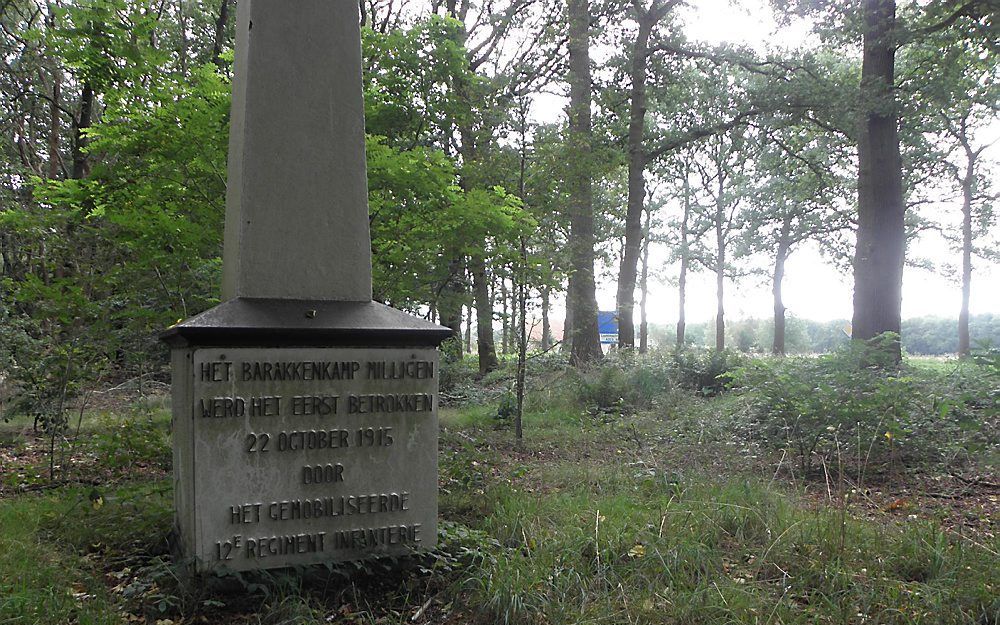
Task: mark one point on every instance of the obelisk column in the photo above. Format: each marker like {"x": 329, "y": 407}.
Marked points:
{"x": 304, "y": 413}
{"x": 297, "y": 196}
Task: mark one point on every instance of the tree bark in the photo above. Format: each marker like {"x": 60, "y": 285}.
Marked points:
{"x": 469, "y": 151}
{"x": 964, "y": 337}
{"x": 54, "y": 125}
{"x": 644, "y": 289}
{"x": 522, "y": 339}
{"x": 513, "y": 310}
{"x": 585, "y": 338}
{"x": 546, "y": 324}
{"x": 636, "y": 183}
{"x": 784, "y": 244}
{"x": 505, "y": 317}
{"x": 720, "y": 315}
{"x": 720, "y": 270}
{"x": 568, "y": 324}
{"x": 81, "y": 164}
{"x": 450, "y": 308}
{"x": 881, "y": 247}
{"x": 637, "y": 161}
{"x": 469, "y": 316}
{"x": 685, "y": 260}
{"x": 484, "y": 323}
{"x": 220, "y": 33}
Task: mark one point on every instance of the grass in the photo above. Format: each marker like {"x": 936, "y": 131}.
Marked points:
{"x": 666, "y": 516}
{"x": 43, "y": 580}
{"x": 633, "y": 538}
{"x": 645, "y": 550}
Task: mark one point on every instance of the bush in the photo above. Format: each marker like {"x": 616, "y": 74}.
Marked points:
{"x": 851, "y": 406}
{"x": 623, "y": 382}
{"x": 134, "y": 440}
{"x": 988, "y": 358}
{"x": 705, "y": 371}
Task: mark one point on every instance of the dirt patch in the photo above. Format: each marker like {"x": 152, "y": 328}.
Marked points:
{"x": 28, "y": 464}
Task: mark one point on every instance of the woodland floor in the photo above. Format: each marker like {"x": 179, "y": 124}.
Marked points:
{"x": 659, "y": 517}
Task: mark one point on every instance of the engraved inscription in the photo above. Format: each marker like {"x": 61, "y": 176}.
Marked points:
{"x": 291, "y": 444}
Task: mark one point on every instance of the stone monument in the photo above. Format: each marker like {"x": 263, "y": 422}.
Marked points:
{"x": 304, "y": 413}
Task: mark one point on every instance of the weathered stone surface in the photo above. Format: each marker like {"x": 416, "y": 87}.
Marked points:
{"x": 291, "y": 456}
{"x": 280, "y": 322}
{"x": 297, "y": 199}
{"x": 305, "y": 414}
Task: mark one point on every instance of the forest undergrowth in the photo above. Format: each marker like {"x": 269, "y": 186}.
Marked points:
{"x": 670, "y": 488}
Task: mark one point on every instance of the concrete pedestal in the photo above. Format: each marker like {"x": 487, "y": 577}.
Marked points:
{"x": 305, "y": 432}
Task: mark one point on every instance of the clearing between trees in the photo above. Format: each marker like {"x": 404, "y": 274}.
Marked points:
{"x": 646, "y": 490}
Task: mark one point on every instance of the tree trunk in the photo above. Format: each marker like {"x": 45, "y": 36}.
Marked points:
{"x": 182, "y": 22}
{"x": 522, "y": 339}
{"x": 720, "y": 274}
{"x": 54, "y": 126}
{"x": 469, "y": 151}
{"x": 881, "y": 247}
{"x": 644, "y": 289}
{"x": 469, "y": 318}
{"x": 682, "y": 280}
{"x": 450, "y": 309}
{"x": 778, "y": 345}
{"x": 505, "y": 317}
{"x": 720, "y": 315}
{"x": 81, "y": 165}
{"x": 568, "y": 324}
{"x": 636, "y": 184}
{"x": 964, "y": 338}
{"x": 546, "y": 325}
{"x": 585, "y": 338}
{"x": 220, "y": 33}
{"x": 484, "y": 322}
{"x": 513, "y": 310}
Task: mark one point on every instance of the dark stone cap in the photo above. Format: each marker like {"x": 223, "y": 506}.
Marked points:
{"x": 246, "y": 322}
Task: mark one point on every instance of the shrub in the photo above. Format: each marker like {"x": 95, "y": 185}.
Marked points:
{"x": 867, "y": 411}
{"x": 624, "y": 382}
{"x": 134, "y": 440}
{"x": 705, "y": 371}
{"x": 810, "y": 405}
{"x": 988, "y": 358}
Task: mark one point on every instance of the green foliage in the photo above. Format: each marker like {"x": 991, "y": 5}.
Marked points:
{"x": 826, "y": 404}
{"x": 844, "y": 408}
{"x": 928, "y": 336}
{"x": 131, "y": 441}
{"x": 38, "y": 582}
{"x": 409, "y": 75}
{"x": 935, "y": 336}
{"x": 624, "y": 382}
{"x": 18, "y": 344}
{"x": 988, "y": 358}
{"x": 414, "y": 191}
{"x": 647, "y": 549}
{"x": 135, "y": 246}
{"x": 107, "y": 43}
{"x": 705, "y": 371}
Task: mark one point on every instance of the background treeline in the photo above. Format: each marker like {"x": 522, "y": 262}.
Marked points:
{"x": 923, "y": 336}
{"x": 114, "y": 137}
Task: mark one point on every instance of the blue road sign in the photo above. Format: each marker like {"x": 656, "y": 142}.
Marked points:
{"x": 607, "y": 326}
